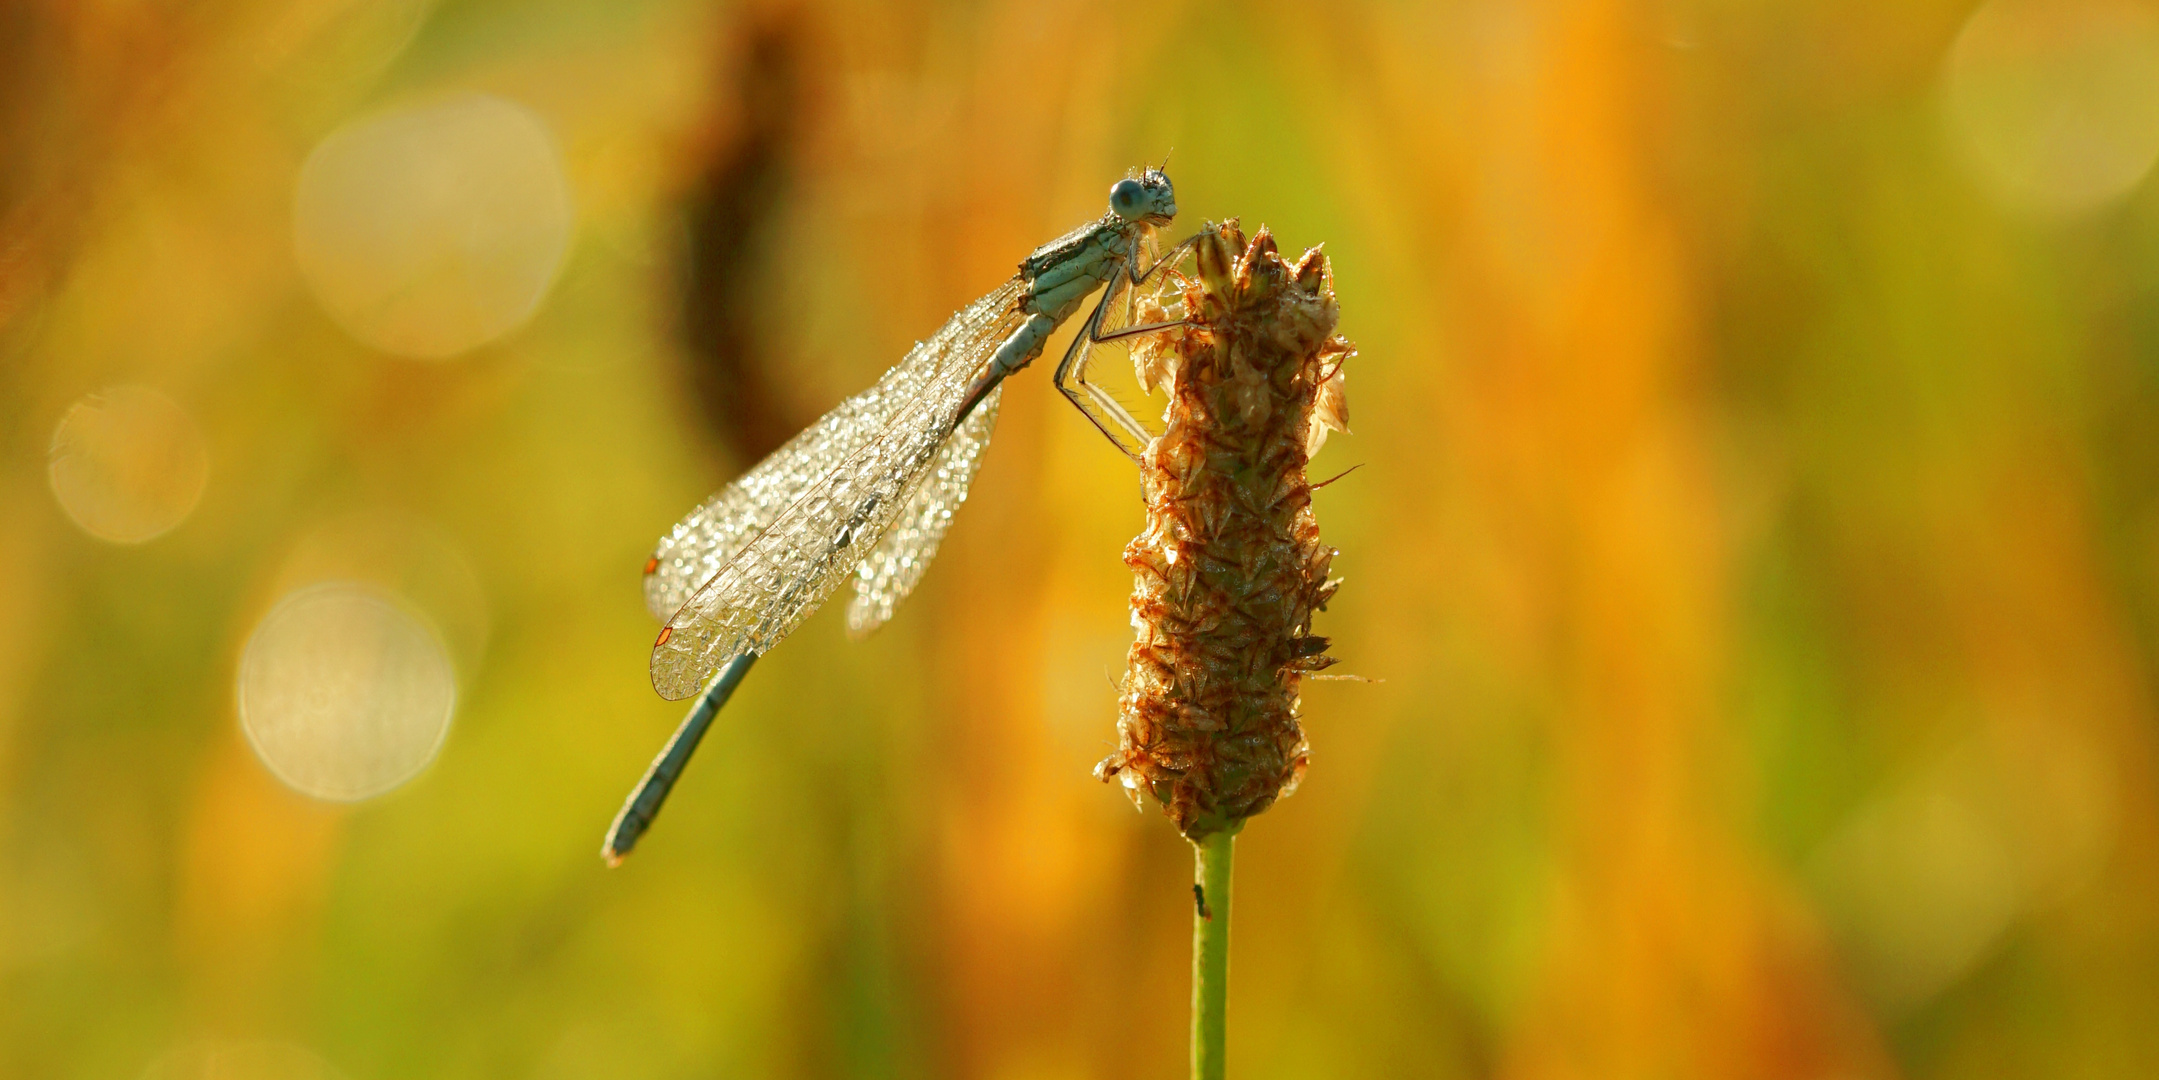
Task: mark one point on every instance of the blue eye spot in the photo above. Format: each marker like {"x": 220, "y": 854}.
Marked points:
{"x": 1125, "y": 197}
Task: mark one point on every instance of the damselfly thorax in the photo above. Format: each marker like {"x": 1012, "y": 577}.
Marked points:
{"x": 867, "y": 492}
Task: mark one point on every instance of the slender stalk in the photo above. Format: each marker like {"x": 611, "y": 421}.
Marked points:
{"x": 1210, "y": 953}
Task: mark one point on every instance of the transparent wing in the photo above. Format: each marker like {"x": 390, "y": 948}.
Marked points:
{"x": 706, "y": 538}
{"x": 896, "y": 564}
{"x": 844, "y": 496}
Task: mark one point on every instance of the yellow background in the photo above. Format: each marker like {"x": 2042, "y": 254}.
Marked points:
{"x": 1757, "y": 547}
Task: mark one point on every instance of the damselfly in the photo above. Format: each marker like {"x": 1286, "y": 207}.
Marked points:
{"x": 867, "y": 491}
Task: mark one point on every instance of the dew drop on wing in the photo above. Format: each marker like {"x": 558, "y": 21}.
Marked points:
{"x": 783, "y": 571}
{"x": 715, "y": 532}
{"x": 894, "y": 566}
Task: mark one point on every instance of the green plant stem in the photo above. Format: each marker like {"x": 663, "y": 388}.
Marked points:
{"x": 1210, "y": 954}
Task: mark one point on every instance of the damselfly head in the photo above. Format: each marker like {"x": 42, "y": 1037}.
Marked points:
{"x": 1147, "y": 197}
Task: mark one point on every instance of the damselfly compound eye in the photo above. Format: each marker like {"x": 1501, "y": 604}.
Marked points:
{"x": 1126, "y": 197}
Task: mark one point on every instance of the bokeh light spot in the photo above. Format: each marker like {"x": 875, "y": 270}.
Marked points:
{"x": 1920, "y": 884}
{"x": 2055, "y": 103}
{"x": 405, "y": 556}
{"x": 241, "y": 1061}
{"x": 431, "y": 231}
{"x": 127, "y": 464}
{"x": 344, "y": 694}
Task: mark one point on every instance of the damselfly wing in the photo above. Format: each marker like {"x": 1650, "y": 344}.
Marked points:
{"x": 787, "y": 542}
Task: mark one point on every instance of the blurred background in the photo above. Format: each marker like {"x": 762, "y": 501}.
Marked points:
{"x": 1757, "y": 541}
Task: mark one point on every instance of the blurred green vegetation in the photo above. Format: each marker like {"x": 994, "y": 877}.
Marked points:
{"x": 1757, "y": 544}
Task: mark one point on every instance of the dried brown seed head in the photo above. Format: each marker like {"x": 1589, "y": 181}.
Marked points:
{"x": 1230, "y": 568}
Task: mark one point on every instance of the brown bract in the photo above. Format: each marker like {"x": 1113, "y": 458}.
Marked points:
{"x": 1230, "y": 567}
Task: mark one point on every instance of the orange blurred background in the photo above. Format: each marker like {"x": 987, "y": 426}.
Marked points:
{"x": 1757, "y": 544}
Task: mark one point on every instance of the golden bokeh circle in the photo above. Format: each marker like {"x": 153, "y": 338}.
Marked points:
{"x": 2055, "y": 103}
{"x": 430, "y": 231}
{"x": 343, "y": 693}
{"x": 127, "y": 464}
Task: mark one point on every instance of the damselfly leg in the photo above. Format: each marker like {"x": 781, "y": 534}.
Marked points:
{"x": 1109, "y": 415}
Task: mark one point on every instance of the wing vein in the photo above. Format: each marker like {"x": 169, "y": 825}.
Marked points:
{"x": 801, "y": 527}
